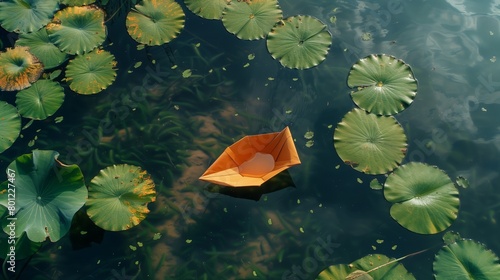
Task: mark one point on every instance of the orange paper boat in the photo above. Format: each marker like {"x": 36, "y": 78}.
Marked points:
{"x": 253, "y": 160}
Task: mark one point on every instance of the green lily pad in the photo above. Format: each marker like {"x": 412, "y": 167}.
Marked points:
{"x": 41, "y": 100}
{"x": 10, "y": 122}
{"x": 376, "y": 266}
{"x": 76, "y": 30}
{"x": 251, "y": 19}
{"x": 466, "y": 259}
{"x": 118, "y": 197}
{"x": 48, "y": 194}
{"x": 40, "y": 45}
{"x": 155, "y": 22}
{"x": 424, "y": 198}
{"x": 92, "y": 72}
{"x": 19, "y": 68}
{"x": 23, "y": 16}
{"x": 299, "y": 42}
{"x": 209, "y": 9}
{"x": 369, "y": 143}
{"x": 385, "y": 85}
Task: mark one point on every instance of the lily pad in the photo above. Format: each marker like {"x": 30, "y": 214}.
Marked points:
{"x": 155, "y": 22}
{"x": 42, "y": 47}
{"x": 19, "y": 68}
{"x": 251, "y": 19}
{"x": 209, "y": 9}
{"x": 76, "y": 30}
{"x": 23, "y": 16}
{"x": 92, "y": 72}
{"x": 24, "y": 247}
{"x": 299, "y": 42}
{"x": 424, "y": 198}
{"x": 10, "y": 122}
{"x": 376, "y": 266}
{"x": 385, "y": 85}
{"x": 118, "y": 197}
{"x": 48, "y": 194}
{"x": 466, "y": 259}
{"x": 41, "y": 100}
{"x": 369, "y": 143}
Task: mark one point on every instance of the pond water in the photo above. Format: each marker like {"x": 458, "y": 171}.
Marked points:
{"x": 321, "y": 205}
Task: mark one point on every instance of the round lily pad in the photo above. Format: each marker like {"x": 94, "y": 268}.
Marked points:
{"x": 10, "y": 123}
{"x": 92, "y": 72}
{"x": 209, "y": 9}
{"x": 299, "y": 42}
{"x": 155, "y": 22}
{"x": 118, "y": 197}
{"x": 251, "y": 19}
{"x": 466, "y": 259}
{"x": 385, "y": 85}
{"x": 48, "y": 194}
{"x": 41, "y": 100}
{"x": 18, "y": 68}
{"x": 424, "y": 198}
{"x": 76, "y": 30}
{"x": 369, "y": 143}
{"x": 40, "y": 45}
{"x": 376, "y": 265}
{"x": 26, "y": 16}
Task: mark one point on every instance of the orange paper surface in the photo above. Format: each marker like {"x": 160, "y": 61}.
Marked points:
{"x": 249, "y": 161}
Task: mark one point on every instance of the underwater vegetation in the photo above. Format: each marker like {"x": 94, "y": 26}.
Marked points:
{"x": 89, "y": 160}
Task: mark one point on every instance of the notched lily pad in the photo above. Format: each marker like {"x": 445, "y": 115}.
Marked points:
{"x": 424, "y": 198}
{"x": 118, "y": 197}
{"x": 466, "y": 259}
{"x": 10, "y": 123}
{"x": 76, "y": 30}
{"x": 384, "y": 84}
{"x": 209, "y": 9}
{"x": 48, "y": 194}
{"x": 19, "y": 68}
{"x": 155, "y": 22}
{"x": 41, "y": 100}
{"x": 26, "y": 16}
{"x": 251, "y": 19}
{"x": 92, "y": 72}
{"x": 369, "y": 143}
{"x": 299, "y": 42}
